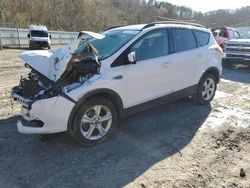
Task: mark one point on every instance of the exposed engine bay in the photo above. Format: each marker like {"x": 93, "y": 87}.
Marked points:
{"x": 36, "y": 86}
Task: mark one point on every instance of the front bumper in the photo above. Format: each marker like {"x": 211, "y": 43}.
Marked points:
{"x": 45, "y": 116}
{"x": 40, "y": 43}
{"x": 236, "y": 58}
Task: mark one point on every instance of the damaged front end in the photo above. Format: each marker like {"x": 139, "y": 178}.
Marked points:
{"x": 43, "y": 93}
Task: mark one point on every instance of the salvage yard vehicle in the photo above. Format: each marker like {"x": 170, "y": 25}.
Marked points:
{"x": 86, "y": 87}
{"x": 237, "y": 51}
{"x": 223, "y": 34}
{"x": 39, "y": 37}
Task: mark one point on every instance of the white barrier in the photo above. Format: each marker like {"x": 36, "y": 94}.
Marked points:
{"x": 16, "y": 37}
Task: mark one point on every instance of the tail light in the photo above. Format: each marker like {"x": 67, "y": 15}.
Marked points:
{"x": 219, "y": 50}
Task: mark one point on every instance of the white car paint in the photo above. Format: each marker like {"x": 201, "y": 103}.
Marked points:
{"x": 141, "y": 82}
{"x": 93, "y": 34}
{"x": 128, "y": 91}
{"x": 54, "y": 113}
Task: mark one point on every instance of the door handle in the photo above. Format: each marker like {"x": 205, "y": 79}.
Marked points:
{"x": 200, "y": 56}
{"x": 118, "y": 77}
{"x": 166, "y": 64}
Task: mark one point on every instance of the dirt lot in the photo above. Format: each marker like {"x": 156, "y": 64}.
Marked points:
{"x": 178, "y": 145}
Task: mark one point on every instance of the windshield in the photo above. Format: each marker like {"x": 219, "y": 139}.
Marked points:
{"x": 219, "y": 32}
{"x": 246, "y": 36}
{"x": 113, "y": 41}
{"x": 39, "y": 33}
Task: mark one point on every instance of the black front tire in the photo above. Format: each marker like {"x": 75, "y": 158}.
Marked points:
{"x": 31, "y": 46}
{"x": 74, "y": 129}
{"x": 198, "y": 96}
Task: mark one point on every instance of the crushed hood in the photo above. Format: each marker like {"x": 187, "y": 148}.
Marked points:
{"x": 53, "y": 63}
{"x": 39, "y": 60}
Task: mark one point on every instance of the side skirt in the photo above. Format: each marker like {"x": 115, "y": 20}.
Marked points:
{"x": 162, "y": 100}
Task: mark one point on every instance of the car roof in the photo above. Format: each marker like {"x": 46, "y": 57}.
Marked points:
{"x": 38, "y": 27}
{"x": 150, "y": 26}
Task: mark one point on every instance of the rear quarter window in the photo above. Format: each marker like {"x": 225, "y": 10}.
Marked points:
{"x": 202, "y": 38}
{"x": 183, "y": 39}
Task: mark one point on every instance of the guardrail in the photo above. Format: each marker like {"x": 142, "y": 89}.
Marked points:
{"x": 16, "y": 37}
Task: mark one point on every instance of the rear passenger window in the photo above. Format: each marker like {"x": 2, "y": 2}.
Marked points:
{"x": 183, "y": 40}
{"x": 202, "y": 38}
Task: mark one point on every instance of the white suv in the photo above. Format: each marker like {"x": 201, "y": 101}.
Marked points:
{"x": 86, "y": 87}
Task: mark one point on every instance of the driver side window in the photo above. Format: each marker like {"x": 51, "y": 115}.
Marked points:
{"x": 152, "y": 45}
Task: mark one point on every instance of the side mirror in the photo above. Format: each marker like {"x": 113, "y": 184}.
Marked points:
{"x": 50, "y": 36}
{"x": 132, "y": 57}
{"x": 28, "y": 35}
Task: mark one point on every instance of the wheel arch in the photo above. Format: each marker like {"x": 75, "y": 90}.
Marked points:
{"x": 212, "y": 70}
{"x": 106, "y": 93}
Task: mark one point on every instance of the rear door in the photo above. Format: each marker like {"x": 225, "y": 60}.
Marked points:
{"x": 185, "y": 58}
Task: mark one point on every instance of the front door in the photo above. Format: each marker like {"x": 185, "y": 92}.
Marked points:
{"x": 150, "y": 77}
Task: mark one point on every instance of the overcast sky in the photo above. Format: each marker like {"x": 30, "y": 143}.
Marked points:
{"x": 208, "y": 5}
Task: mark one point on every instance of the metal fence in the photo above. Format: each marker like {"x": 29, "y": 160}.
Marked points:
{"x": 16, "y": 37}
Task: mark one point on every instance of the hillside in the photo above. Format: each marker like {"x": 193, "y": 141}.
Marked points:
{"x": 75, "y": 15}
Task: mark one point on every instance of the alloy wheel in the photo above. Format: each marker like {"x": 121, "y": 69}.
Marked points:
{"x": 96, "y": 122}
{"x": 208, "y": 89}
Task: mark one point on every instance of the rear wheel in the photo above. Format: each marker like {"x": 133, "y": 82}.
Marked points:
{"x": 206, "y": 89}
{"x": 94, "y": 122}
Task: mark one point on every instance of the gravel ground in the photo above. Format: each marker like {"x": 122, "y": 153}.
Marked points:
{"x": 176, "y": 145}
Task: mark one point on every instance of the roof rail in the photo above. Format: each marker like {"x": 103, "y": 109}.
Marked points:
{"x": 172, "y": 22}
{"x": 113, "y": 27}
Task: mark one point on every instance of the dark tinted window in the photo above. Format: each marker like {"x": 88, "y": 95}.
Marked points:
{"x": 183, "y": 40}
{"x": 220, "y": 32}
{"x": 202, "y": 38}
{"x": 39, "y": 33}
{"x": 154, "y": 44}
